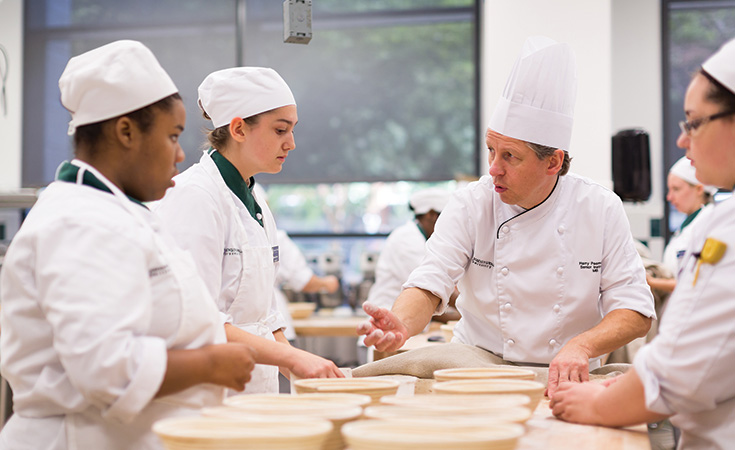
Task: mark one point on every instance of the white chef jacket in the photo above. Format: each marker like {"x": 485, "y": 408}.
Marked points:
{"x": 679, "y": 242}
{"x": 402, "y": 252}
{"x": 293, "y": 272}
{"x": 93, "y": 296}
{"x": 687, "y": 370}
{"x": 531, "y": 280}
{"x": 235, "y": 255}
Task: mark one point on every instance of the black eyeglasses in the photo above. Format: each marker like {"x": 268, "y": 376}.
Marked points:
{"x": 689, "y": 126}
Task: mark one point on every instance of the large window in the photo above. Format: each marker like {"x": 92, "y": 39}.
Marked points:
{"x": 692, "y": 31}
{"x": 387, "y": 93}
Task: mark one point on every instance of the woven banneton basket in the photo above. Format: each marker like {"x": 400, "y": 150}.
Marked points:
{"x": 337, "y": 414}
{"x": 484, "y": 373}
{"x": 533, "y": 389}
{"x": 213, "y": 433}
{"x": 428, "y": 434}
{"x": 516, "y": 414}
{"x": 375, "y": 388}
{"x": 432, "y": 401}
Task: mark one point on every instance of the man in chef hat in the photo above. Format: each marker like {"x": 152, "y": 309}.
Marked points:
{"x": 544, "y": 259}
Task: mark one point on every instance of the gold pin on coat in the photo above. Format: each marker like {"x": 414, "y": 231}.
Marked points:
{"x": 711, "y": 253}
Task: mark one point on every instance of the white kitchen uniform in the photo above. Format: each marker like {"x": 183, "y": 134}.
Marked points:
{"x": 293, "y": 273}
{"x": 687, "y": 370}
{"x": 531, "y": 280}
{"x": 679, "y": 242}
{"x": 403, "y": 251}
{"x": 93, "y": 296}
{"x": 234, "y": 253}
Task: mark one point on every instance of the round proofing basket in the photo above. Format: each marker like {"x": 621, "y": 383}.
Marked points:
{"x": 477, "y": 414}
{"x": 484, "y": 373}
{"x": 288, "y": 399}
{"x": 533, "y": 389}
{"x": 337, "y": 414}
{"x": 431, "y": 401}
{"x": 429, "y": 434}
{"x": 375, "y": 388}
{"x": 213, "y": 433}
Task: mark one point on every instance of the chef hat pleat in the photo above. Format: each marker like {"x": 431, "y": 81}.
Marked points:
{"x": 537, "y": 104}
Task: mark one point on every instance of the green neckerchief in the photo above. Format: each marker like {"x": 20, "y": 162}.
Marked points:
{"x": 238, "y": 186}
{"x": 68, "y": 172}
{"x": 689, "y": 219}
{"x": 421, "y": 230}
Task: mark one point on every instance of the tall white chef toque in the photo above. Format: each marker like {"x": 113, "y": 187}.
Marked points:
{"x": 684, "y": 169}
{"x": 110, "y": 81}
{"x": 537, "y": 104}
{"x": 242, "y": 92}
{"x": 721, "y": 65}
{"x": 427, "y": 200}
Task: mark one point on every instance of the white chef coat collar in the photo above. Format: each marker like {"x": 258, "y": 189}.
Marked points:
{"x": 535, "y": 212}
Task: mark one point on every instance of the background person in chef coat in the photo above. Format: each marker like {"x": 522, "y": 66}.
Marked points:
{"x": 213, "y": 213}
{"x": 686, "y": 371}
{"x": 106, "y": 326}
{"x": 691, "y": 198}
{"x": 544, "y": 260}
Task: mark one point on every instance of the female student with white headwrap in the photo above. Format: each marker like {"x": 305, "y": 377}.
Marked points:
{"x": 691, "y": 198}
{"x": 213, "y": 213}
{"x": 106, "y": 326}
{"x": 686, "y": 371}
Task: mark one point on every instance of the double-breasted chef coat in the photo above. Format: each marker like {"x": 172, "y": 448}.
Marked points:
{"x": 234, "y": 245}
{"x": 403, "y": 251}
{"x": 93, "y": 296}
{"x": 531, "y": 280}
{"x": 687, "y": 370}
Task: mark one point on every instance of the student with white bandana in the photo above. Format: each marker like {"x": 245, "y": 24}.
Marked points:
{"x": 213, "y": 213}
{"x": 543, "y": 259}
{"x": 106, "y": 326}
{"x": 686, "y": 371}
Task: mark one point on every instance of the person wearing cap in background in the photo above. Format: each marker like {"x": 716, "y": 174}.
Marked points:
{"x": 405, "y": 246}
{"x": 686, "y": 371}
{"x": 544, "y": 259}
{"x": 213, "y": 213}
{"x": 106, "y": 326}
{"x": 691, "y": 198}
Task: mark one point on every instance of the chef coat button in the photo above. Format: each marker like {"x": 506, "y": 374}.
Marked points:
{"x": 504, "y": 271}
{"x": 557, "y": 308}
{"x": 560, "y": 270}
{"x": 507, "y": 306}
{"x": 552, "y": 342}
{"x": 259, "y": 216}
{"x": 510, "y": 342}
{"x": 505, "y": 230}
{"x": 560, "y": 229}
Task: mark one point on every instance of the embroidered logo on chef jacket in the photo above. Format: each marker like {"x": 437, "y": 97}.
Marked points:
{"x": 594, "y": 266}
{"x": 233, "y": 252}
{"x": 481, "y": 263}
{"x": 157, "y": 271}
{"x": 275, "y": 254}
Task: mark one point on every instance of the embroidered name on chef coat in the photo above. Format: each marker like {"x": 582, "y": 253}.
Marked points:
{"x": 157, "y": 271}
{"x": 275, "y": 254}
{"x": 594, "y": 266}
{"x": 233, "y": 252}
{"x": 481, "y": 263}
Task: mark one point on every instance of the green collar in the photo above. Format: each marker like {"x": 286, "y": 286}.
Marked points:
{"x": 238, "y": 186}
{"x": 689, "y": 219}
{"x": 68, "y": 172}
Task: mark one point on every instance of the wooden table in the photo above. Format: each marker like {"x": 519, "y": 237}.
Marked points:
{"x": 546, "y": 432}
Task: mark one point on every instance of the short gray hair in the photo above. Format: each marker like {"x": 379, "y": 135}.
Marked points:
{"x": 542, "y": 151}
